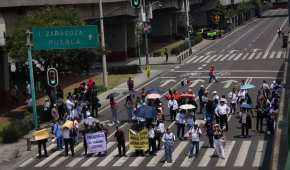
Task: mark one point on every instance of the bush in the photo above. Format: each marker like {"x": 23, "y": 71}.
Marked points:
{"x": 130, "y": 69}
{"x": 17, "y": 129}
{"x": 101, "y": 88}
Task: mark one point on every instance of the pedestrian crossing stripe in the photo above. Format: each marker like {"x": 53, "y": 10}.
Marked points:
{"x": 236, "y": 57}
{"x": 179, "y": 153}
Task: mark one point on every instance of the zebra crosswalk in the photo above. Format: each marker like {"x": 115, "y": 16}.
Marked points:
{"x": 238, "y": 56}
{"x": 237, "y": 153}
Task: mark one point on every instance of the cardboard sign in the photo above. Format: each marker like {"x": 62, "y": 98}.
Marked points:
{"x": 40, "y": 134}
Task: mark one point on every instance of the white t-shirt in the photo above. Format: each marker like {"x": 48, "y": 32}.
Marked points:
{"x": 233, "y": 97}
{"x": 195, "y": 134}
{"x": 173, "y": 104}
{"x": 222, "y": 109}
{"x": 161, "y": 127}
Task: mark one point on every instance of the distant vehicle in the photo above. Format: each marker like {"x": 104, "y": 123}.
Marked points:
{"x": 211, "y": 34}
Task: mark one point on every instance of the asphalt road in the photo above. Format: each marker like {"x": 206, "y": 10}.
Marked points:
{"x": 252, "y": 53}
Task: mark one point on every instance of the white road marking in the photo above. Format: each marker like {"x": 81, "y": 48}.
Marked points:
{"x": 154, "y": 161}
{"x": 232, "y": 71}
{"x": 260, "y": 152}
{"x": 206, "y": 157}
{"x": 46, "y": 160}
{"x": 272, "y": 55}
{"x": 245, "y": 56}
{"x": 251, "y": 56}
{"x": 235, "y": 77}
{"x": 63, "y": 158}
{"x": 167, "y": 82}
{"x": 205, "y": 58}
{"x": 275, "y": 38}
{"x": 279, "y": 54}
{"x": 190, "y": 60}
{"x": 137, "y": 161}
{"x": 179, "y": 149}
{"x": 258, "y": 55}
{"x": 228, "y": 83}
{"x": 25, "y": 163}
{"x": 74, "y": 162}
{"x": 123, "y": 159}
{"x": 109, "y": 158}
{"x": 195, "y": 82}
{"x": 238, "y": 56}
{"x": 199, "y": 68}
{"x": 228, "y": 149}
{"x": 231, "y": 57}
{"x": 91, "y": 160}
{"x": 199, "y": 58}
{"x": 242, "y": 155}
{"x": 222, "y": 59}
{"x": 188, "y": 161}
{"x": 211, "y": 58}
{"x": 216, "y": 59}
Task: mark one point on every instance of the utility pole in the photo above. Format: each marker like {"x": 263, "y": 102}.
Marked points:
{"x": 143, "y": 6}
{"x": 187, "y": 22}
{"x": 32, "y": 87}
{"x": 104, "y": 58}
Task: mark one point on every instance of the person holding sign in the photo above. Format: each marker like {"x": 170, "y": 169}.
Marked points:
{"x": 119, "y": 135}
{"x": 67, "y": 134}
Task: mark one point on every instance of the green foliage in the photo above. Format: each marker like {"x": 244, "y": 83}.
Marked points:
{"x": 74, "y": 60}
{"x": 17, "y": 129}
{"x": 130, "y": 69}
{"x": 101, "y": 88}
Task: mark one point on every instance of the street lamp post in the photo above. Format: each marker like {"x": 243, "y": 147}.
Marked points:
{"x": 104, "y": 58}
{"x": 143, "y": 6}
{"x": 187, "y": 22}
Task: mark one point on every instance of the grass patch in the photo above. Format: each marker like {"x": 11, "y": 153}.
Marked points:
{"x": 113, "y": 81}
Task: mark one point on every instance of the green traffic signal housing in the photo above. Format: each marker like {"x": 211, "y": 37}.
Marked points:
{"x": 136, "y": 3}
{"x": 52, "y": 77}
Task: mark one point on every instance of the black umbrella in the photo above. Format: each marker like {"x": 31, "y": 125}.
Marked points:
{"x": 112, "y": 95}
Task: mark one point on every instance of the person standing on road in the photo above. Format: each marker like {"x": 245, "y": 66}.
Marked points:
{"x": 259, "y": 118}
{"x": 200, "y": 94}
{"x": 233, "y": 97}
{"x": 168, "y": 139}
{"x": 219, "y": 141}
{"x": 120, "y": 137}
{"x": 195, "y": 134}
{"x": 160, "y": 130}
{"x": 173, "y": 107}
{"x": 151, "y": 140}
{"x": 68, "y": 136}
{"x": 130, "y": 107}
{"x": 279, "y": 31}
{"x": 130, "y": 84}
{"x": 56, "y": 129}
{"x": 113, "y": 106}
{"x": 245, "y": 121}
{"x": 222, "y": 111}
{"x": 180, "y": 123}
{"x": 209, "y": 133}
{"x": 166, "y": 55}
{"x": 212, "y": 74}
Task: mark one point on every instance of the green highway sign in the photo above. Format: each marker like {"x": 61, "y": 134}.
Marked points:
{"x": 65, "y": 37}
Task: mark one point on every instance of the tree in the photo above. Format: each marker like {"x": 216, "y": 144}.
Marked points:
{"x": 50, "y": 16}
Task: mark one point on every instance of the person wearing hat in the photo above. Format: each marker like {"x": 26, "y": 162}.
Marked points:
{"x": 222, "y": 110}
{"x": 168, "y": 139}
{"x": 195, "y": 134}
{"x": 218, "y": 140}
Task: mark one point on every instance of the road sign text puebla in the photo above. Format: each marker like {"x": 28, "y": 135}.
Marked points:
{"x": 65, "y": 37}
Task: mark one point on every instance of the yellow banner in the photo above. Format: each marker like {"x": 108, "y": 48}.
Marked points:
{"x": 138, "y": 140}
{"x": 40, "y": 134}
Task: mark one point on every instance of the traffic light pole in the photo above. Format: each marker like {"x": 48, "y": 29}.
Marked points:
{"x": 33, "y": 96}
{"x": 143, "y": 6}
{"x": 104, "y": 58}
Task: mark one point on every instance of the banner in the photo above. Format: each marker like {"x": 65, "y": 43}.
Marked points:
{"x": 138, "y": 140}
{"x": 96, "y": 142}
{"x": 40, "y": 134}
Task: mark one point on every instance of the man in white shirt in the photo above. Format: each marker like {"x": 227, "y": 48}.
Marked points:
{"x": 180, "y": 123}
{"x": 233, "y": 97}
{"x": 195, "y": 134}
{"x": 151, "y": 139}
{"x": 69, "y": 105}
{"x": 172, "y": 106}
{"x": 222, "y": 111}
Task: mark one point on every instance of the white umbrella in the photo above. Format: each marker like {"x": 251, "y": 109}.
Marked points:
{"x": 153, "y": 96}
{"x": 187, "y": 107}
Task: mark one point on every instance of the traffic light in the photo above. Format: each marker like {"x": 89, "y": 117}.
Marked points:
{"x": 136, "y": 3}
{"x": 52, "y": 77}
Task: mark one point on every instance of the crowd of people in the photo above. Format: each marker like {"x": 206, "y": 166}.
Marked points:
{"x": 147, "y": 110}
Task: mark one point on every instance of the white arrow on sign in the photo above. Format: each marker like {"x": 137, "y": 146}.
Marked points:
{"x": 228, "y": 83}
{"x": 195, "y": 82}
{"x": 164, "y": 83}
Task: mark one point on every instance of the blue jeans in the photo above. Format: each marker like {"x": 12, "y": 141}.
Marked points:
{"x": 168, "y": 151}
{"x": 194, "y": 144}
{"x": 59, "y": 142}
